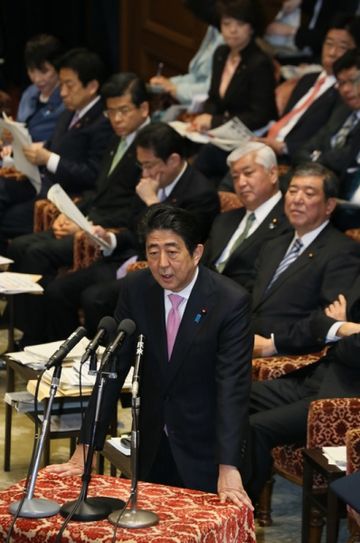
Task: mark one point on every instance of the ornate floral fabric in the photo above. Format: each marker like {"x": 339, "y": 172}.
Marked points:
{"x": 328, "y": 422}
{"x": 185, "y": 515}
{"x": 352, "y": 441}
{"x": 272, "y": 367}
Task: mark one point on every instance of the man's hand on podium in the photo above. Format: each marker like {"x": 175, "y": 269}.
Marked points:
{"x": 75, "y": 466}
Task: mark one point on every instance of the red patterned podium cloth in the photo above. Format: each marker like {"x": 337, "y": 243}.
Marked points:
{"x": 186, "y": 516}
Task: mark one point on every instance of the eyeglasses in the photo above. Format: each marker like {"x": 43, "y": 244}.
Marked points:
{"x": 148, "y": 165}
{"x": 121, "y": 111}
{"x": 351, "y": 81}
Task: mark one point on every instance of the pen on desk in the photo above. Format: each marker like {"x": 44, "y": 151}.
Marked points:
{"x": 159, "y": 69}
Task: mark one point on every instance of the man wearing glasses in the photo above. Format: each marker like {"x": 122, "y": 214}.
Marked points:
{"x": 45, "y": 252}
{"x": 337, "y": 144}
{"x": 166, "y": 177}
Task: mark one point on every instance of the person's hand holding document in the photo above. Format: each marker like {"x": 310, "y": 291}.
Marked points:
{"x": 37, "y": 154}
{"x": 21, "y": 139}
{"x": 228, "y": 136}
{"x": 63, "y": 226}
{"x": 201, "y": 123}
{"x": 58, "y": 196}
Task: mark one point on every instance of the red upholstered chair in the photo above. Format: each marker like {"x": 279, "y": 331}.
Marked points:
{"x": 353, "y": 233}
{"x": 272, "y": 367}
{"x": 328, "y": 423}
{"x": 352, "y": 442}
{"x": 85, "y": 252}
{"x": 228, "y": 201}
{"x": 45, "y": 212}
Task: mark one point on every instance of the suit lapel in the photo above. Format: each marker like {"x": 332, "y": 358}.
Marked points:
{"x": 270, "y": 222}
{"x": 266, "y": 272}
{"x": 227, "y": 232}
{"x": 198, "y": 309}
{"x": 305, "y": 259}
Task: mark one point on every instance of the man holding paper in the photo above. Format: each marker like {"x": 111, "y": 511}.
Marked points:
{"x": 74, "y": 154}
{"x": 127, "y": 109}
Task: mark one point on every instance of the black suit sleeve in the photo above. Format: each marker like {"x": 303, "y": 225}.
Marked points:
{"x": 79, "y": 175}
{"x": 301, "y": 335}
{"x": 347, "y": 351}
{"x": 233, "y": 376}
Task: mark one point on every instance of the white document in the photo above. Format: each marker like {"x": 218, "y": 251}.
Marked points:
{"x": 58, "y": 197}
{"x": 5, "y": 261}
{"x": 336, "y": 456}
{"x": 28, "y": 359}
{"x": 21, "y": 138}
{"x": 228, "y": 136}
{"x": 19, "y": 283}
{"x": 45, "y": 350}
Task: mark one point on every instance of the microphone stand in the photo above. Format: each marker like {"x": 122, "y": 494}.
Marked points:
{"x": 83, "y": 508}
{"x": 38, "y": 507}
{"x": 134, "y": 517}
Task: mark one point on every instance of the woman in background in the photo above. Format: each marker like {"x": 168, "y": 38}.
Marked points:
{"x": 242, "y": 81}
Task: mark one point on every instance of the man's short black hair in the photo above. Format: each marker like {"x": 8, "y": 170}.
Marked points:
{"x": 315, "y": 169}
{"x": 125, "y": 83}
{"x": 40, "y": 49}
{"x": 350, "y": 59}
{"x": 166, "y": 217}
{"x": 161, "y": 139}
{"x": 348, "y": 22}
{"x": 87, "y": 65}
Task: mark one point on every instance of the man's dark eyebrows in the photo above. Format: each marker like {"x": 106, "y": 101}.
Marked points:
{"x": 170, "y": 244}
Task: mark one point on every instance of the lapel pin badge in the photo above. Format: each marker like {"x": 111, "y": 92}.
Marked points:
{"x": 273, "y": 224}
{"x": 200, "y": 315}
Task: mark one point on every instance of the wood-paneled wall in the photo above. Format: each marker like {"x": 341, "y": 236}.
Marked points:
{"x": 153, "y": 31}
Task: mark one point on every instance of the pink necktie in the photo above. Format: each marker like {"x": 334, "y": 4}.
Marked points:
{"x": 173, "y": 321}
{"x": 276, "y": 127}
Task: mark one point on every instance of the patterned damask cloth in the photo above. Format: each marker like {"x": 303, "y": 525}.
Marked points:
{"x": 185, "y": 515}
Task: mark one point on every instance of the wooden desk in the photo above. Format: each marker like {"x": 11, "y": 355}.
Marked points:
{"x": 326, "y": 502}
{"x": 25, "y": 373}
{"x": 185, "y": 515}
{"x": 14, "y": 368}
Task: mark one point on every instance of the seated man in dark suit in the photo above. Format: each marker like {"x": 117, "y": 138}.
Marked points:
{"x": 73, "y": 156}
{"x": 313, "y": 99}
{"x": 279, "y": 408}
{"x": 237, "y": 236}
{"x": 109, "y": 206}
{"x": 314, "y": 96}
{"x": 336, "y": 145}
{"x": 197, "y": 375}
{"x": 166, "y": 177}
{"x": 315, "y": 15}
{"x": 299, "y": 275}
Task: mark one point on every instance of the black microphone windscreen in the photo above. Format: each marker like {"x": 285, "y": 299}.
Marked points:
{"x": 108, "y": 324}
{"x": 128, "y": 326}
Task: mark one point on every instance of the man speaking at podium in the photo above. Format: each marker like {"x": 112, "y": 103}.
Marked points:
{"x": 195, "y": 376}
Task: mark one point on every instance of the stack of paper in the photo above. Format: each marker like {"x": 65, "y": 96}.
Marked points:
{"x": 19, "y": 283}
{"x": 336, "y": 456}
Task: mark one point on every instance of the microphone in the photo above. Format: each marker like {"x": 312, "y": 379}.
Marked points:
{"x": 138, "y": 358}
{"x": 106, "y": 329}
{"x": 59, "y": 355}
{"x": 125, "y": 328}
